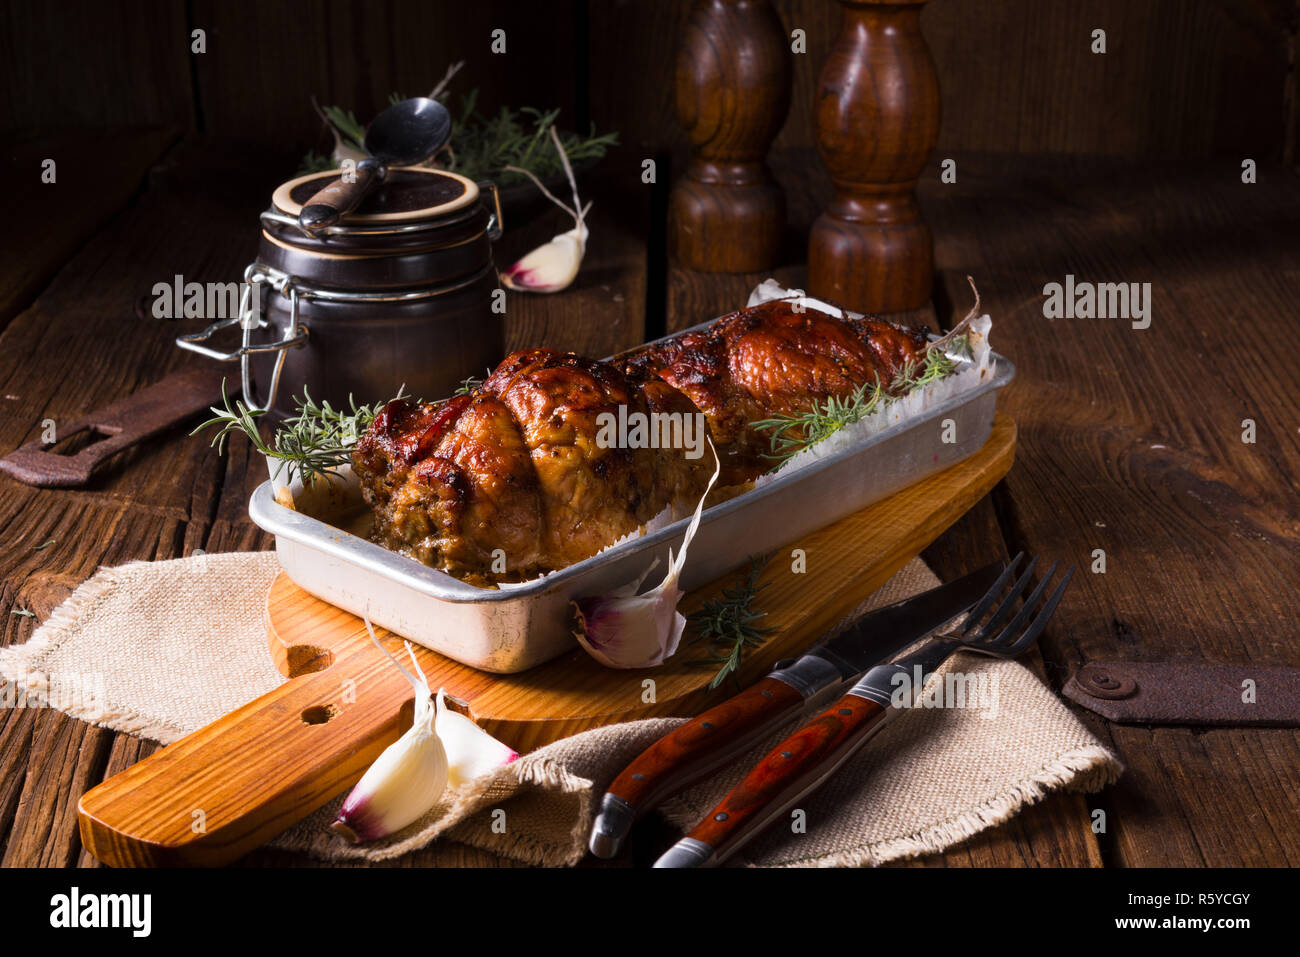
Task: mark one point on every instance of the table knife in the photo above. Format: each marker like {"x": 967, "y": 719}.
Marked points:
{"x": 810, "y": 755}
{"x": 720, "y": 734}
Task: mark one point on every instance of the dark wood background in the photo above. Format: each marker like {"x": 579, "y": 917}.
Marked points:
{"x": 1180, "y": 77}
{"x": 1128, "y": 441}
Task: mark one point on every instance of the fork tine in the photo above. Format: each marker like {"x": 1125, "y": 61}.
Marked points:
{"x": 1009, "y": 633}
{"x": 1040, "y": 622}
{"x": 1000, "y": 615}
{"x": 985, "y": 603}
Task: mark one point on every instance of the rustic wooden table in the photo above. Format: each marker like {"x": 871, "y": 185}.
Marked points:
{"x": 1130, "y": 441}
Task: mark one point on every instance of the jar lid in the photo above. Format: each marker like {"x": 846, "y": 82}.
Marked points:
{"x": 420, "y": 227}
{"x": 408, "y": 194}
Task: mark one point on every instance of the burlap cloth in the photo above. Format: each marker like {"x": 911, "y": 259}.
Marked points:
{"x": 160, "y": 649}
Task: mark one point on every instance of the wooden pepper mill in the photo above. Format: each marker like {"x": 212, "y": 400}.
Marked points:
{"x": 876, "y": 119}
{"x": 726, "y": 213}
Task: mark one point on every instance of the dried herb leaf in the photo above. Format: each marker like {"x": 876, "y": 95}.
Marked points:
{"x": 726, "y": 625}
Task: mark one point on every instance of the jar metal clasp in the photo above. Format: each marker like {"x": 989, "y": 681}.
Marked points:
{"x": 251, "y": 316}
{"x": 496, "y": 225}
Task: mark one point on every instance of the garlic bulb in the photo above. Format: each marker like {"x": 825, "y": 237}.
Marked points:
{"x": 622, "y": 629}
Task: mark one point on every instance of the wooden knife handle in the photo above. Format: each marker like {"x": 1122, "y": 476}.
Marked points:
{"x": 791, "y": 770}
{"x": 687, "y": 754}
{"x": 336, "y": 200}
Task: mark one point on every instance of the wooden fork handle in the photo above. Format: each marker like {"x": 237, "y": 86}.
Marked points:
{"x": 793, "y": 769}
{"x": 687, "y": 754}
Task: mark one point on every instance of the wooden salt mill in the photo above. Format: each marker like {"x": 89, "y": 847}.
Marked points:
{"x": 876, "y": 119}
{"x": 726, "y": 213}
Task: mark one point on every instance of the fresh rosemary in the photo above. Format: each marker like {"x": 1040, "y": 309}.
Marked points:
{"x": 915, "y": 376}
{"x": 467, "y": 386}
{"x": 316, "y": 440}
{"x": 726, "y": 624}
{"x": 482, "y": 146}
{"x": 791, "y": 434}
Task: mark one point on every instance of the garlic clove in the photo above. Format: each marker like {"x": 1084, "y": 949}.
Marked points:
{"x": 550, "y": 267}
{"x": 638, "y": 631}
{"x": 622, "y": 629}
{"x": 403, "y": 783}
{"x": 471, "y": 751}
{"x": 553, "y": 266}
{"x": 408, "y": 778}
{"x": 442, "y": 747}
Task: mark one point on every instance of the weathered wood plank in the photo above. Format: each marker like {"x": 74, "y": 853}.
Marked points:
{"x": 82, "y": 343}
{"x": 1131, "y": 443}
{"x": 67, "y": 757}
{"x": 256, "y": 82}
{"x": 84, "y": 65}
{"x": 1178, "y": 78}
{"x": 95, "y": 177}
{"x": 15, "y": 753}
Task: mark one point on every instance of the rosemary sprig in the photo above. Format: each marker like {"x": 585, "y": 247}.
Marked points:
{"x": 793, "y": 433}
{"x": 936, "y": 365}
{"x": 726, "y": 624}
{"x": 468, "y": 385}
{"x": 316, "y": 440}
{"x": 345, "y": 121}
{"x": 481, "y": 147}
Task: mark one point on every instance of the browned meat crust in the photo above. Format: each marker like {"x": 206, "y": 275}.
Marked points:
{"x": 512, "y": 479}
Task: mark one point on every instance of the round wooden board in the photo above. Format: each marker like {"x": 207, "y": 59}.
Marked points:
{"x": 847, "y": 561}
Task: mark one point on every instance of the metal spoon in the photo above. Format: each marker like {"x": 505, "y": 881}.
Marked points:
{"x": 406, "y": 133}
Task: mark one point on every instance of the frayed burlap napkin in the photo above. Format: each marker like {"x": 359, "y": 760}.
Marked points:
{"x": 160, "y": 649}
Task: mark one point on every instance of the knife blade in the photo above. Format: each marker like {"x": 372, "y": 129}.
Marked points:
{"x": 710, "y": 740}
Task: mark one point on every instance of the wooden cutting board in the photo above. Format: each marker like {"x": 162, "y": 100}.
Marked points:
{"x": 258, "y": 770}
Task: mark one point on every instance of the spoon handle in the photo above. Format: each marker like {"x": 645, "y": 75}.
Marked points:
{"x": 340, "y": 197}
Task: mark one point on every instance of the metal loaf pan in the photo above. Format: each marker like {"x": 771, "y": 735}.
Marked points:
{"x": 520, "y": 626}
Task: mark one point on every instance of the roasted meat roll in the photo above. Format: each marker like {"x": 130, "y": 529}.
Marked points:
{"x": 519, "y": 476}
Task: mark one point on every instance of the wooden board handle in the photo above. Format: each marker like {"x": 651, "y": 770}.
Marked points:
{"x": 226, "y": 789}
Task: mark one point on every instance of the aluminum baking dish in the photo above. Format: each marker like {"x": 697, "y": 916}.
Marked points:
{"x": 510, "y": 629}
